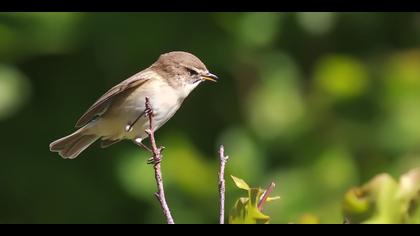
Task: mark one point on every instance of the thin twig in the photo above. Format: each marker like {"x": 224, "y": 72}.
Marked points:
{"x": 265, "y": 195}
{"x": 157, "y": 158}
{"x": 223, "y": 160}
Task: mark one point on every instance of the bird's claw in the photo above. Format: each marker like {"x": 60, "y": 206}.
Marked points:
{"x": 153, "y": 161}
{"x": 148, "y": 111}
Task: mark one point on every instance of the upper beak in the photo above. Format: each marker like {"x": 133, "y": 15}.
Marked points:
{"x": 210, "y": 76}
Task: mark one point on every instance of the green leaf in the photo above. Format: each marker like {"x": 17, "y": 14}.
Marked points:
{"x": 413, "y": 213}
{"x": 270, "y": 199}
{"x": 246, "y": 210}
{"x": 377, "y": 201}
{"x": 383, "y": 200}
{"x": 409, "y": 195}
{"x": 356, "y": 206}
{"x": 240, "y": 183}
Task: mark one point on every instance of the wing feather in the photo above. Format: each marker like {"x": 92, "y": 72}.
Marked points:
{"x": 102, "y": 104}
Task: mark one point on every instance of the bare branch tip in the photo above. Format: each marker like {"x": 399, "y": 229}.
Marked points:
{"x": 223, "y": 160}
{"x": 265, "y": 195}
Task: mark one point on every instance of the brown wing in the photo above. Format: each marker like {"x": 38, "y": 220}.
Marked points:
{"x": 102, "y": 104}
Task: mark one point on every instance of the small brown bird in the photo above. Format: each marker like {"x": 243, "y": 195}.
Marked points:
{"x": 120, "y": 113}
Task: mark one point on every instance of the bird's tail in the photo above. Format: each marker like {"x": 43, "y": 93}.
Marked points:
{"x": 71, "y": 146}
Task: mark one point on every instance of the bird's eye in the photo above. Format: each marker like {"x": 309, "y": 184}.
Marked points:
{"x": 192, "y": 72}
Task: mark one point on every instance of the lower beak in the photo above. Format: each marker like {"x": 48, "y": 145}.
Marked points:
{"x": 210, "y": 76}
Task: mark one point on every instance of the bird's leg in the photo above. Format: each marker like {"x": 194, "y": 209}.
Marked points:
{"x": 157, "y": 152}
{"x": 129, "y": 126}
{"x": 151, "y": 160}
{"x": 139, "y": 143}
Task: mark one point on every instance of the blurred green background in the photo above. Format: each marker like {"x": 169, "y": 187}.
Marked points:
{"x": 317, "y": 102}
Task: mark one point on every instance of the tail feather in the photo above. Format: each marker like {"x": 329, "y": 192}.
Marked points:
{"x": 71, "y": 146}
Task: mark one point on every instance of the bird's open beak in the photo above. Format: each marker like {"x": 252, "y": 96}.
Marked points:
{"x": 210, "y": 76}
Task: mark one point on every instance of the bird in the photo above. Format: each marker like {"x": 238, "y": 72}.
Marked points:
{"x": 120, "y": 113}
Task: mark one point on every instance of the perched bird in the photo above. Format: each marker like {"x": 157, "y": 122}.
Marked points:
{"x": 120, "y": 113}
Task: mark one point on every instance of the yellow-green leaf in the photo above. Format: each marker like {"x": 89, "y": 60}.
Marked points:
{"x": 269, "y": 199}
{"x": 240, "y": 183}
{"x": 409, "y": 196}
{"x": 246, "y": 210}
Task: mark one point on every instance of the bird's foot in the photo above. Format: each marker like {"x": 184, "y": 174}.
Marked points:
{"x": 148, "y": 111}
{"x": 138, "y": 142}
{"x": 154, "y": 161}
